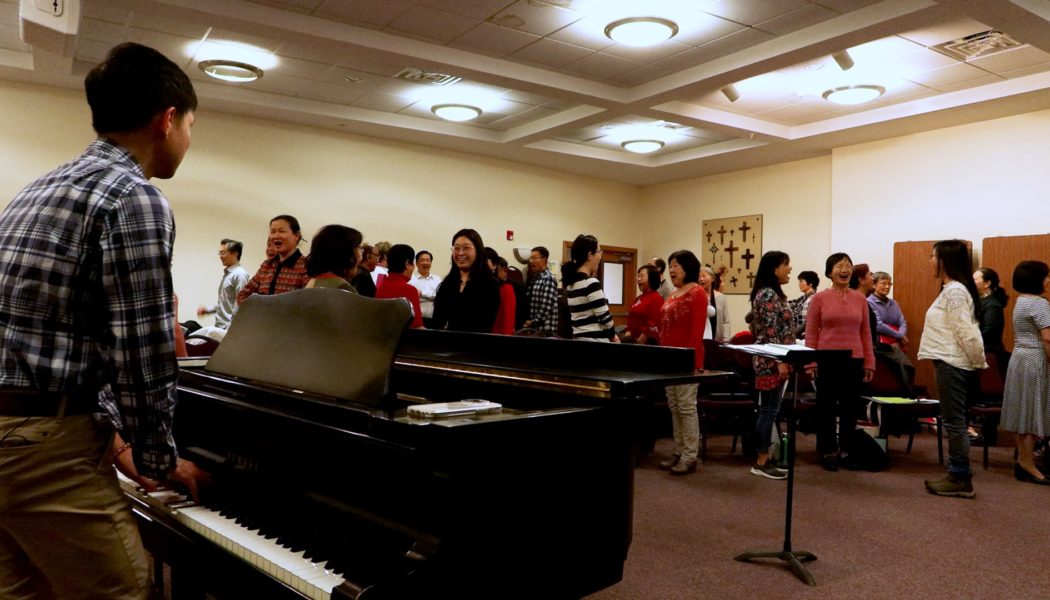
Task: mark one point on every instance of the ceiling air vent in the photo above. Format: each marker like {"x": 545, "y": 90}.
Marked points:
{"x": 420, "y": 76}
{"x": 978, "y": 45}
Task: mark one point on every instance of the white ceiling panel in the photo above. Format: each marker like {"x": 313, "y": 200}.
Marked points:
{"x": 543, "y": 70}
{"x": 494, "y": 40}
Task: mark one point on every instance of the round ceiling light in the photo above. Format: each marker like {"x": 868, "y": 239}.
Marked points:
{"x": 641, "y": 31}
{"x": 230, "y": 70}
{"x": 642, "y": 146}
{"x": 456, "y": 112}
{"x": 854, "y": 94}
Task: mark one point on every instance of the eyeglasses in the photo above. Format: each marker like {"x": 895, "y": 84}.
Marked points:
{"x": 462, "y": 249}
{"x": 223, "y": 253}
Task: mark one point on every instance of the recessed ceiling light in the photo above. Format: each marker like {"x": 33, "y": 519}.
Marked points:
{"x": 854, "y": 94}
{"x": 456, "y": 112}
{"x": 641, "y": 31}
{"x": 642, "y": 146}
{"x": 230, "y": 70}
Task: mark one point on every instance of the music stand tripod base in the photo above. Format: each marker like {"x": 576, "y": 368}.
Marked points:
{"x": 794, "y": 560}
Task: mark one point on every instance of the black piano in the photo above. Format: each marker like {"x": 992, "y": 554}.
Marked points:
{"x": 325, "y": 486}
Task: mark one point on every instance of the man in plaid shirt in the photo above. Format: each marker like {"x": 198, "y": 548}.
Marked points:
{"x": 542, "y": 294}
{"x": 87, "y": 343}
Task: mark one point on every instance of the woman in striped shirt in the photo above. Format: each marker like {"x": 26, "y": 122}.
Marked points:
{"x": 588, "y": 308}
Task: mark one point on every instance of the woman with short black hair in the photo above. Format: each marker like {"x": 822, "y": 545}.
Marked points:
{"x": 333, "y": 258}
{"x": 1026, "y": 396}
{"x": 643, "y": 318}
{"x": 993, "y": 301}
{"x": 683, "y": 319}
{"x": 286, "y": 271}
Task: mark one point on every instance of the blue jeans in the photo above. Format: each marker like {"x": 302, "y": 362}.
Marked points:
{"x": 768, "y": 407}
{"x": 956, "y": 388}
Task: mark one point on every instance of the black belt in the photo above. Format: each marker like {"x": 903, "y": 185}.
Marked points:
{"x": 30, "y": 403}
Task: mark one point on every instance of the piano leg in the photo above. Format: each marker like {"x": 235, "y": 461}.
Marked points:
{"x": 185, "y": 586}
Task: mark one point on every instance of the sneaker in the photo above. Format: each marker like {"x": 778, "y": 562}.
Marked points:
{"x": 779, "y": 465}
{"x": 952, "y": 485}
{"x": 768, "y": 471}
{"x": 667, "y": 464}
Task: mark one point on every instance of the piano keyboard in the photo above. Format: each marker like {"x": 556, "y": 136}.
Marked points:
{"x": 291, "y": 568}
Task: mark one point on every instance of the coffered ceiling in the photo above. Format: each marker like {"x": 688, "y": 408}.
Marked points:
{"x": 742, "y": 83}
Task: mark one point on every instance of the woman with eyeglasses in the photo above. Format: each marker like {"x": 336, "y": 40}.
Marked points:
{"x": 588, "y": 308}
{"x": 468, "y": 298}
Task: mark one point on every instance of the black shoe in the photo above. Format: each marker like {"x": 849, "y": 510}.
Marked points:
{"x": 847, "y": 462}
{"x": 830, "y": 462}
{"x": 1022, "y": 474}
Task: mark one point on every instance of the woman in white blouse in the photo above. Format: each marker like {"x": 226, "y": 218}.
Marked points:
{"x": 951, "y": 338}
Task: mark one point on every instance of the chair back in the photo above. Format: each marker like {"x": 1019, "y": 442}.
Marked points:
{"x": 991, "y": 379}
{"x": 888, "y": 379}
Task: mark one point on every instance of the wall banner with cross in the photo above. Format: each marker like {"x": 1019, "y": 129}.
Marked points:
{"x": 733, "y": 246}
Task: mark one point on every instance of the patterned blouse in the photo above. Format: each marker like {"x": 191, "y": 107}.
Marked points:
{"x": 773, "y": 323}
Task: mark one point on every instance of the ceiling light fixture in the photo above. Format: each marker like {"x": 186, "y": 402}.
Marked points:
{"x": 641, "y": 31}
{"x": 844, "y": 60}
{"x": 230, "y": 70}
{"x": 854, "y": 94}
{"x": 731, "y": 92}
{"x": 456, "y": 112}
{"x": 642, "y": 146}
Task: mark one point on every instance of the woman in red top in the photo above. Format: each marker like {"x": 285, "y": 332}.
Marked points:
{"x": 683, "y": 319}
{"x": 400, "y": 261}
{"x": 643, "y": 319}
{"x": 838, "y": 320}
{"x": 508, "y": 301}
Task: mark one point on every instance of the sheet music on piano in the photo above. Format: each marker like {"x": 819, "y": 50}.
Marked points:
{"x": 771, "y": 350}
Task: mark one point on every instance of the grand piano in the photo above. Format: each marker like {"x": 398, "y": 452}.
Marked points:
{"x": 326, "y": 486}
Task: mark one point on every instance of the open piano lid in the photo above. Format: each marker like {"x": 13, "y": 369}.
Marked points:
{"x": 319, "y": 340}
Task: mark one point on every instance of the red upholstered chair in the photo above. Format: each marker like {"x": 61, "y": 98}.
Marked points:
{"x": 989, "y": 407}
{"x": 899, "y": 419}
{"x": 200, "y": 346}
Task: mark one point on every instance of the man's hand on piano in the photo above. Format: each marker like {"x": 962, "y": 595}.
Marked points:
{"x": 191, "y": 476}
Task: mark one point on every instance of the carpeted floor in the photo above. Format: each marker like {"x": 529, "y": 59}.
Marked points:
{"x": 876, "y": 535}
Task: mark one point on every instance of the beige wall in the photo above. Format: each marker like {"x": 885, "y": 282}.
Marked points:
{"x": 794, "y": 199}
{"x": 239, "y": 173}
{"x": 971, "y": 182}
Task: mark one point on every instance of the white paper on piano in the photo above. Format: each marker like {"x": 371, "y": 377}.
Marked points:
{"x": 771, "y": 349}
{"x": 439, "y": 410}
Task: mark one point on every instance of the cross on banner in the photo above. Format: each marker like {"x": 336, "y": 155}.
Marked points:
{"x": 743, "y": 229}
{"x": 721, "y": 235}
{"x": 747, "y": 256}
{"x": 730, "y": 249}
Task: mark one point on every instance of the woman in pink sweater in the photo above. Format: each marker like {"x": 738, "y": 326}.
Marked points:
{"x": 838, "y": 320}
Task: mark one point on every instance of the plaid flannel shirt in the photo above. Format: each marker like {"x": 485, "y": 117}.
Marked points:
{"x": 86, "y": 298}
{"x": 543, "y": 302}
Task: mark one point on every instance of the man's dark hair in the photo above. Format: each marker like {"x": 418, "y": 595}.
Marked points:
{"x": 660, "y": 264}
{"x": 233, "y": 246}
{"x": 546, "y": 254}
{"x": 133, "y": 84}
{"x": 810, "y": 277}
{"x": 422, "y": 252}
{"x": 1030, "y": 277}
{"x": 399, "y": 257}
{"x": 689, "y": 263}
{"x": 334, "y": 250}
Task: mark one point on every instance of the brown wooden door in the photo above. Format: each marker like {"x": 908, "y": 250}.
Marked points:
{"x": 618, "y": 273}
{"x": 915, "y": 287}
{"x": 1002, "y": 254}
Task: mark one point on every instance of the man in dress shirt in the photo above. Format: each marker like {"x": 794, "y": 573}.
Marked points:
{"x": 380, "y": 270}
{"x": 542, "y": 293}
{"x": 427, "y": 283}
{"x": 233, "y": 279}
{"x": 88, "y": 342}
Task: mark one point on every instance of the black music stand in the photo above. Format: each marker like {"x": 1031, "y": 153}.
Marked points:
{"x": 795, "y": 358}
